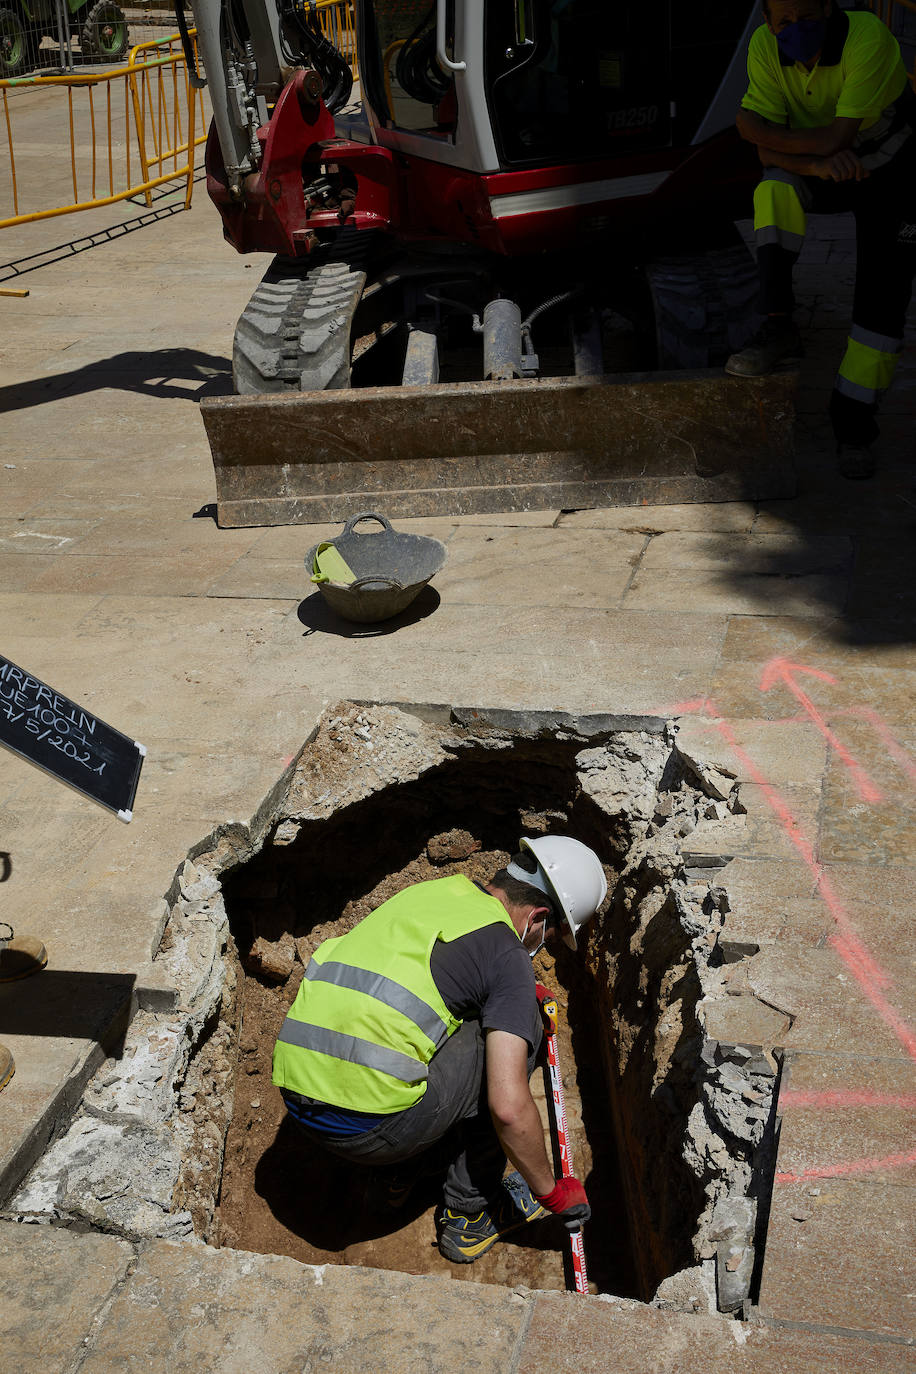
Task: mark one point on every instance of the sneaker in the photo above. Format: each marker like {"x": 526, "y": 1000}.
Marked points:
{"x": 7, "y": 1066}
{"x": 776, "y": 344}
{"x": 464, "y": 1237}
{"x": 854, "y": 461}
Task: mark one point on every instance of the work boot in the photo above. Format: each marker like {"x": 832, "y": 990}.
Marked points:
{"x": 855, "y": 461}
{"x": 20, "y": 956}
{"x": 776, "y": 344}
{"x": 464, "y": 1237}
{"x": 7, "y": 1066}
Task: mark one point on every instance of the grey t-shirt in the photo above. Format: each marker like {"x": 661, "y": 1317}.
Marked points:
{"x": 487, "y": 976}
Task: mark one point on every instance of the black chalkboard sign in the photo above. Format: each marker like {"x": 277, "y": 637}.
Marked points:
{"x": 51, "y": 731}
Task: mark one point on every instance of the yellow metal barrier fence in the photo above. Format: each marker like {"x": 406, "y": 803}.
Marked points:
{"x": 337, "y": 20}
{"x": 131, "y": 129}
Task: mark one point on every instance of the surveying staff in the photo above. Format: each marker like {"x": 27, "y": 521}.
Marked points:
{"x": 420, "y": 1028}
{"x": 831, "y": 110}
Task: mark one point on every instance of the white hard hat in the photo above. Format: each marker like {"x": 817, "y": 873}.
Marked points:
{"x": 567, "y": 872}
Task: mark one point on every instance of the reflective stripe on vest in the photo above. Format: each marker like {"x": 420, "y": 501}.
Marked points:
{"x": 352, "y": 1050}
{"x": 384, "y": 990}
{"x": 780, "y": 202}
{"x": 868, "y": 365}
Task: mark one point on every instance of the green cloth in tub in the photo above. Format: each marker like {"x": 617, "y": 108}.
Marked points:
{"x": 330, "y": 567}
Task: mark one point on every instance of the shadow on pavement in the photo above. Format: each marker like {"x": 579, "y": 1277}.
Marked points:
{"x": 174, "y": 373}
{"x": 69, "y": 1005}
{"x": 317, "y": 616}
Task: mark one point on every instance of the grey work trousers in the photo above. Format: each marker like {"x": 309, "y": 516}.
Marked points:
{"x": 451, "y": 1121}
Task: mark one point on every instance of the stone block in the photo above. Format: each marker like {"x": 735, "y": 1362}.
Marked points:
{"x": 568, "y": 1335}
{"x": 190, "y": 1307}
{"x": 839, "y": 1253}
{"x": 53, "y": 1286}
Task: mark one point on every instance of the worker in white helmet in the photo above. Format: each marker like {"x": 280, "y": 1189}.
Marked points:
{"x": 416, "y": 1033}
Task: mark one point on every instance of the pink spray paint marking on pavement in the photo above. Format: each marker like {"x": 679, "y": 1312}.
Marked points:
{"x": 844, "y": 1098}
{"x": 851, "y": 1168}
{"x": 781, "y": 670}
{"x": 904, "y": 761}
{"x": 870, "y": 977}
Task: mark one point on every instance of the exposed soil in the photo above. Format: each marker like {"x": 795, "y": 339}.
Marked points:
{"x": 280, "y": 1197}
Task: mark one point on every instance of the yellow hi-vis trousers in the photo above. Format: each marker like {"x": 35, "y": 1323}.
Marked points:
{"x": 886, "y": 261}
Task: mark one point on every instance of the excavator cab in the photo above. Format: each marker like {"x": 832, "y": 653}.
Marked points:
{"x": 532, "y": 83}
{"x": 536, "y": 81}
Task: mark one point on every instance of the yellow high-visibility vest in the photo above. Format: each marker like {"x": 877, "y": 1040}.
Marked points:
{"x": 368, "y": 1016}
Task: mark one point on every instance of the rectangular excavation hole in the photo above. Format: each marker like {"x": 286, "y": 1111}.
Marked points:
{"x": 668, "y": 1058}
{"x": 382, "y": 800}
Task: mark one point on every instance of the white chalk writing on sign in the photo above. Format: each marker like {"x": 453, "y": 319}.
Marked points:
{"x": 62, "y": 724}
{"x": 53, "y": 732}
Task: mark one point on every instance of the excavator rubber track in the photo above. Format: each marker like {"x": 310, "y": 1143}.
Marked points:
{"x": 294, "y": 334}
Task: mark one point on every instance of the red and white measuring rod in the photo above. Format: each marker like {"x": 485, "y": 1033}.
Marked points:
{"x": 549, "y": 1010}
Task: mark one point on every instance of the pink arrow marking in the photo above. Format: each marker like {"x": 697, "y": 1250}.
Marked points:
{"x": 781, "y": 670}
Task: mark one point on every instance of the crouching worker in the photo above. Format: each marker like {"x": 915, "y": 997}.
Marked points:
{"x": 417, "y": 1032}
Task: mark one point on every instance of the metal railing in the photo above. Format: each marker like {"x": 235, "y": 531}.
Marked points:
{"x": 131, "y": 129}
{"x": 337, "y": 19}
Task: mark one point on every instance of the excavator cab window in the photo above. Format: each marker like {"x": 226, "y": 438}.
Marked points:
{"x": 405, "y": 84}
{"x": 575, "y": 79}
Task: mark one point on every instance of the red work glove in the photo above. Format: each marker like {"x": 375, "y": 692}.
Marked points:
{"x": 567, "y": 1201}
{"x": 543, "y": 994}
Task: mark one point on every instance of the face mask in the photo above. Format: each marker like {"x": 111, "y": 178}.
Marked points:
{"x": 537, "y": 947}
{"x": 802, "y": 40}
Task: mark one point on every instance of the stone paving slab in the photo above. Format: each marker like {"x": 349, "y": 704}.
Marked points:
{"x": 188, "y": 1308}
{"x": 54, "y": 1286}
{"x": 532, "y": 567}
{"x": 830, "y": 1008}
{"x": 842, "y": 1255}
{"x": 567, "y": 1339}
{"x": 853, "y": 1115}
{"x": 98, "y": 1303}
{"x": 732, "y": 516}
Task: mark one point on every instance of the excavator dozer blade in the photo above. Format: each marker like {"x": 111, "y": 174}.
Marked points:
{"x": 459, "y": 448}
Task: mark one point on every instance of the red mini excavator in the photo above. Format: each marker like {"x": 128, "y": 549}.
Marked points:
{"x": 490, "y": 255}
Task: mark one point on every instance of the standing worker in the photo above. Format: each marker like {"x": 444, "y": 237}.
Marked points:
{"x": 832, "y": 112}
{"x": 420, "y": 1028}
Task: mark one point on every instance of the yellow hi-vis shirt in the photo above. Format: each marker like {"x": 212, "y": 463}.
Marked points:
{"x": 368, "y": 1017}
{"x": 859, "y": 75}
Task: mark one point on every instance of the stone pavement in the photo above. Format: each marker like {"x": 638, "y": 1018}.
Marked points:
{"x": 206, "y": 645}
